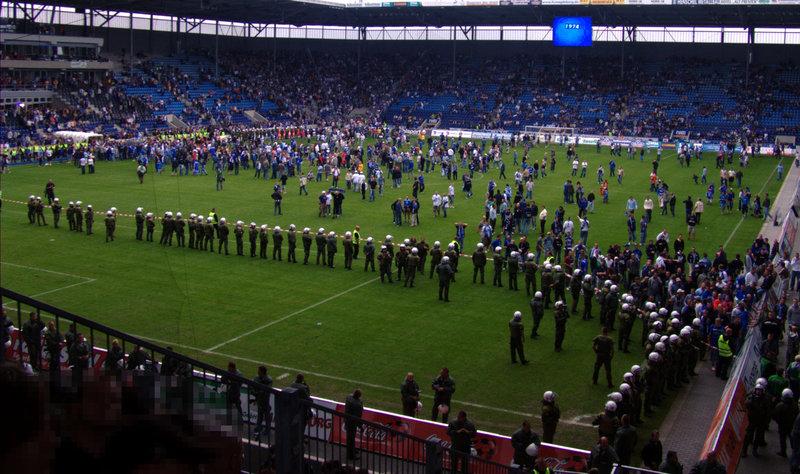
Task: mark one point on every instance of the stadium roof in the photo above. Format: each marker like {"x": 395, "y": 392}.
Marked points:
{"x": 321, "y": 12}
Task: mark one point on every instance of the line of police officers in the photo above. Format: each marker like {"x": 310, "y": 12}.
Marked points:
{"x": 76, "y": 216}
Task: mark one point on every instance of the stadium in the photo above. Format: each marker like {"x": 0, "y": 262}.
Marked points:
{"x": 340, "y": 169}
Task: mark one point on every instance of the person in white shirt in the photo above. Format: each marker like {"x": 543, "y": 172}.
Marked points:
{"x": 648, "y": 208}
{"x": 451, "y": 192}
{"x": 436, "y": 199}
{"x": 569, "y": 227}
{"x": 664, "y": 234}
{"x": 543, "y": 219}
{"x": 794, "y": 284}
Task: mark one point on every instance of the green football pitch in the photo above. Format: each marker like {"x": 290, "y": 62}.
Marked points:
{"x": 343, "y": 329}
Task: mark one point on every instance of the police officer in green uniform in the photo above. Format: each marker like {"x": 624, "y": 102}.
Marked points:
{"x": 445, "y": 272}
{"x": 200, "y": 233}
{"x": 31, "y": 209}
{"x": 561, "y": 315}
{"x": 478, "y": 263}
{"x": 498, "y": 260}
{"x": 513, "y": 271}
{"x": 517, "y": 331}
{"x": 150, "y": 223}
{"x": 166, "y": 223}
{"x": 111, "y": 225}
{"x": 208, "y": 232}
{"x": 530, "y": 269}
{"x": 331, "y": 248}
{"x": 222, "y": 232}
{"x": 412, "y": 262}
{"x": 263, "y": 241}
{"x": 291, "y": 239}
{"x": 179, "y": 225}
{"x": 78, "y": 217}
{"x": 71, "y": 216}
{"x": 537, "y": 308}
{"x": 253, "y": 235}
{"x": 610, "y": 305}
{"x": 551, "y": 414}
{"x": 56, "y": 212}
{"x": 40, "y": 212}
{"x": 277, "y": 243}
{"x": 308, "y": 239}
{"x": 547, "y": 283}
{"x": 369, "y": 255}
{"x": 321, "y": 242}
{"x": 385, "y": 263}
{"x": 347, "y": 243}
{"x": 625, "y": 326}
{"x": 238, "y": 233}
{"x": 575, "y": 289}
{"x": 603, "y": 347}
{"x": 139, "y": 217}
{"x": 400, "y": 259}
{"x": 559, "y": 283}
{"x": 89, "y": 218}
{"x": 436, "y": 257}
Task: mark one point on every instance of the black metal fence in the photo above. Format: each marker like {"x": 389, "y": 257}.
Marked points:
{"x": 298, "y": 435}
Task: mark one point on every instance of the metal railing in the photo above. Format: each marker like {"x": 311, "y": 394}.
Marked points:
{"x": 299, "y": 433}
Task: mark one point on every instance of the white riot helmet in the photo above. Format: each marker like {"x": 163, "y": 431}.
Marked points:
{"x": 627, "y": 376}
{"x": 629, "y": 299}
{"x": 654, "y": 357}
{"x": 330, "y": 234}
{"x": 625, "y": 307}
{"x": 178, "y": 214}
{"x": 480, "y": 245}
{"x": 222, "y": 220}
{"x": 306, "y": 230}
{"x": 253, "y": 224}
{"x": 613, "y": 288}
{"x": 451, "y": 246}
{"x": 674, "y": 338}
{"x": 517, "y": 314}
{"x": 138, "y": 209}
{"x": 549, "y": 396}
{"x": 414, "y": 250}
{"x": 292, "y": 227}
{"x": 348, "y": 234}
{"x": 437, "y": 244}
{"x": 650, "y": 306}
{"x": 538, "y": 294}
{"x": 548, "y": 266}
{"x": 498, "y": 249}
{"x": 109, "y": 213}
{"x": 636, "y": 369}
{"x": 321, "y": 230}
{"x": 611, "y": 407}
{"x": 557, "y": 268}
{"x": 445, "y": 259}
{"x": 654, "y": 317}
{"x": 587, "y": 278}
{"x": 686, "y": 332}
{"x": 531, "y": 256}
{"x": 608, "y": 283}
{"x": 696, "y": 322}
{"x": 576, "y": 272}
{"x": 369, "y": 239}
{"x": 653, "y": 337}
{"x": 559, "y": 304}
{"x": 624, "y": 388}
{"x": 675, "y": 322}
{"x": 660, "y": 347}
{"x": 787, "y": 395}
{"x": 406, "y": 241}
{"x": 388, "y": 238}
{"x": 615, "y": 397}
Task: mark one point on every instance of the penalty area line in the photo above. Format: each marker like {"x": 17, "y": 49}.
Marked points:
{"x": 271, "y": 323}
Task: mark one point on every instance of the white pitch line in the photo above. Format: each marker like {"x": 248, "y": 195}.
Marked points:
{"x": 735, "y": 229}
{"x": 346, "y": 380}
{"x": 46, "y": 271}
{"x": 271, "y": 323}
{"x": 283, "y": 376}
{"x": 90, "y": 280}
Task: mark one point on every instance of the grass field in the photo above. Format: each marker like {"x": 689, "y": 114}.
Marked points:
{"x": 344, "y": 329}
